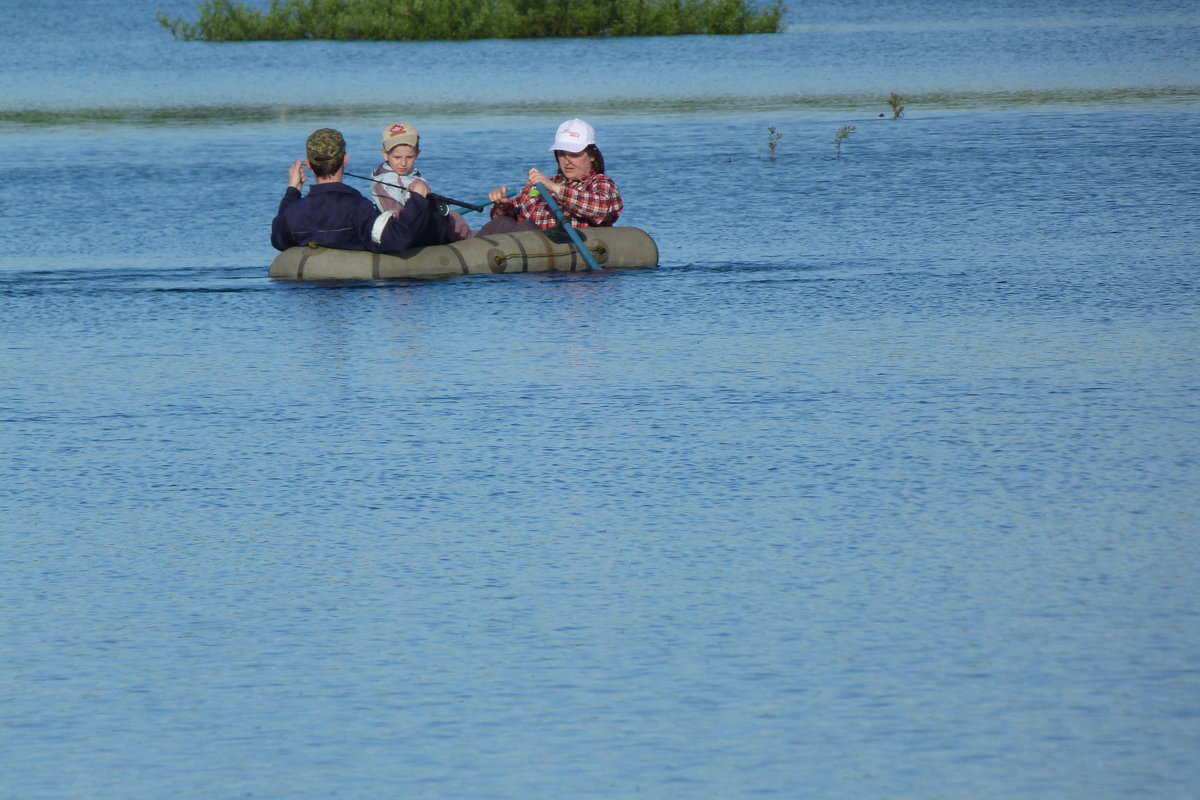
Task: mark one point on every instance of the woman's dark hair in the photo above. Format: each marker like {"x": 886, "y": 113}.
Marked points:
{"x": 597, "y": 157}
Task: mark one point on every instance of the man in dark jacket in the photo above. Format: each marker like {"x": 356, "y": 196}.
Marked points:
{"x": 336, "y": 215}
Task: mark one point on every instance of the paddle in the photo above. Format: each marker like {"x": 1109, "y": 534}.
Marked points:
{"x": 439, "y": 197}
{"x": 566, "y": 226}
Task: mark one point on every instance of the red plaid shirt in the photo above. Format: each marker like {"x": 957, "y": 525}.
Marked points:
{"x": 593, "y": 202}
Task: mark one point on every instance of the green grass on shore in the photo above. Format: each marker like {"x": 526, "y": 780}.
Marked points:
{"x": 400, "y": 20}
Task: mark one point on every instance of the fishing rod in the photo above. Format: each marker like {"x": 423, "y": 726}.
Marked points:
{"x": 563, "y": 223}
{"x": 439, "y": 197}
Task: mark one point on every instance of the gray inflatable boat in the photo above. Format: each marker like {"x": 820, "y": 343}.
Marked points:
{"x": 524, "y": 251}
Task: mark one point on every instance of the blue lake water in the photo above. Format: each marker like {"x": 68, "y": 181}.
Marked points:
{"x": 884, "y": 484}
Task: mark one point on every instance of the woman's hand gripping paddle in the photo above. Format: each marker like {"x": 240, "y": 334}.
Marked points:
{"x": 588, "y": 258}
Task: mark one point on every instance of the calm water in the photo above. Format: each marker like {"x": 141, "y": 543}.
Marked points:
{"x": 883, "y": 485}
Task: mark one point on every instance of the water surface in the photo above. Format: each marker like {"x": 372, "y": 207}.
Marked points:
{"x": 882, "y": 485}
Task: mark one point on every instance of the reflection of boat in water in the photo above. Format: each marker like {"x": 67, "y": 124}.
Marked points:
{"x": 524, "y": 251}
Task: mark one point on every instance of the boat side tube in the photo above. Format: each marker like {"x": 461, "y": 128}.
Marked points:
{"x": 524, "y": 251}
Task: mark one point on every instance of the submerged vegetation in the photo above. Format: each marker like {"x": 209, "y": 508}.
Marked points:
{"x": 407, "y": 20}
{"x": 842, "y": 135}
{"x": 773, "y": 137}
{"x": 895, "y": 102}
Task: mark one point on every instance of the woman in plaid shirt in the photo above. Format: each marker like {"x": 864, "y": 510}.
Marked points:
{"x": 588, "y": 198}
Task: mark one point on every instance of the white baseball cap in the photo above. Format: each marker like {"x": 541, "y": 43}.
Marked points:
{"x": 573, "y": 136}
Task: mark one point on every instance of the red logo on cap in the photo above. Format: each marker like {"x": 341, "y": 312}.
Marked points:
{"x": 398, "y": 129}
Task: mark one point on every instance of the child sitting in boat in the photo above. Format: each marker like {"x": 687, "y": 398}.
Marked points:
{"x": 394, "y": 177}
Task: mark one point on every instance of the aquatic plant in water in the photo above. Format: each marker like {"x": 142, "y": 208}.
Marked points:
{"x": 773, "y": 138}
{"x": 896, "y": 103}
{"x": 842, "y": 135}
{"x": 389, "y": 20}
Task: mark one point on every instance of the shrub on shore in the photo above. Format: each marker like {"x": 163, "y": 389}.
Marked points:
{"x": 396, "y": 20}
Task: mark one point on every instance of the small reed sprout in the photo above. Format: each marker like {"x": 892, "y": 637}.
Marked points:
{"x": 842, "y": 135}
{"x": 897, "y": 104}
{"x": 773, "y": 138}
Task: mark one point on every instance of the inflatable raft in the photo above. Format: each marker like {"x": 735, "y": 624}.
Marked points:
{"x": 524, "y": 251}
